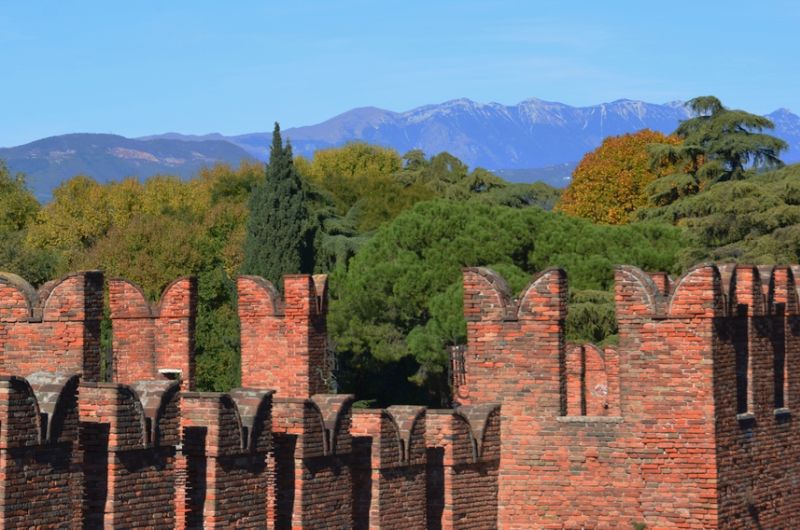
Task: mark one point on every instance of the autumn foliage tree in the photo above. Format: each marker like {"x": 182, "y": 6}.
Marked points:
{"x": 610, "y": 183}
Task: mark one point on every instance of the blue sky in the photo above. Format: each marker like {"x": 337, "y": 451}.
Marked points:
{"x": 143, "y": 67}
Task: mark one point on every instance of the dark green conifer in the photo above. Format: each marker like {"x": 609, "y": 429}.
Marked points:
{"x": 719, "y": 144}
{"x": 279, "y": 236}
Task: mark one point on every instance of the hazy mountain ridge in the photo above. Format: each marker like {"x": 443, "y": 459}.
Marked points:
{"x": 106, "y": 157}
{"x": 534, "y": 139}
{"x": 533, "y": 134}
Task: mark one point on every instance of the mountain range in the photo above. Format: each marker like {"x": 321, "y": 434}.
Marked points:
{"x": 532, "y": 140}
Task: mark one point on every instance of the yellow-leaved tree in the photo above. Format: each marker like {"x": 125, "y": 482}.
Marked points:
{"x": 610, "y": 183}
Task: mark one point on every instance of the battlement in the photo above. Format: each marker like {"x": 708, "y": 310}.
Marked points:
{"x": 686, "y": 423}
{"x": 463, "y": 466}
{"x": 58, "y": 325}
{"x": 707, "y": 291}
{"x": 389, "y": 467}
{"x": 284, "y": 338}
{"x": 153, "y": 341}
{"x": 223, "y": 477}
{"x": 39, "y": 456}
{"x": 701, "y": 359}
{"x": 487, "y": 297}
{"x": 143, "y": 415}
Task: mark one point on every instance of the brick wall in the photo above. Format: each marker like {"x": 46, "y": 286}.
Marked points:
{"x": 149, "y": 339}
{"x": 283, "y": 338}
{"x": 313, "y": 447}
{"x": 687, "y": 423}
{"x": 463, "y": 460}
{"x": 129, "y": 435}
{"x": 756, "y": 399}
{"x": 388, "y": 467}
{"x": 39, "y": 457}
{"x": 227, "y": 439}
{"x": 56, "y": 327}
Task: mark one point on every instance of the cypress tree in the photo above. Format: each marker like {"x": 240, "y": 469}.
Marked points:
{"x": 279, "y": 236}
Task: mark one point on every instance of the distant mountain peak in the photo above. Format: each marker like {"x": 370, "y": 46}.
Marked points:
{"x": 534, "y": 134}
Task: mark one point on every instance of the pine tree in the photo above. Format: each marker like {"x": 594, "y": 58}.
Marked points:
{"x": 719, "y": 144}
{"x": 279, "y": 236}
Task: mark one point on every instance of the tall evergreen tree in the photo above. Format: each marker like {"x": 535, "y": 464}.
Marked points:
{"x": 719, "y": 144}
{"x": 279, "y": 232}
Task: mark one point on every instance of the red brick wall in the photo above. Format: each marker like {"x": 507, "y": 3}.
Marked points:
{"x": 389, "y": 457}
{"x": 757, "y": 452}
{"x": 226, "y": 447}
{"x": 39, "y": 461}
{"x": 283, "y": 339}
{"x": 516, "y": 356}
{"x": 686, "y": 424}
{"x": 462, "y": 467}
{"x": 56, "y": 326}
{"x": 572, "y": 456}
{"x": 149, "y": 338}
{"x": 129, "y": 439}
{"x": 667, "y": 375}
{"x": 313, "y": 447}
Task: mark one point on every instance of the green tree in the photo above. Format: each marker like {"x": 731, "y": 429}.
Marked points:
{"x": 18, "y": 211}
{"x": 398, "y": 304}
{"x": 719, "y": 144}
{"x": 280, "y": 238}
{"x": 756, "y": 220}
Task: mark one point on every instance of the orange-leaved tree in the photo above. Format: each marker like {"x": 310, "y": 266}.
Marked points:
{"x": 610, "y": 183}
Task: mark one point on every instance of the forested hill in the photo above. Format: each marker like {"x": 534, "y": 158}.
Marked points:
{"x": 106, "y": 157}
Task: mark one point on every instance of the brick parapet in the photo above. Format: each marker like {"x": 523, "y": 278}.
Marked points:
{"x": 313, "y": 450}
{"x": 389, "y": 468}
{"x": 56, "y": 326}
{"x": 129, "y": 435}
{"x": 153, "y": 341}
{"x": 687, "y": 423}
{"x": 284, "y": 338}
{"x": 227, "y": 442}
{"x": 463, "y": 458}
{"x": 40, "y": 461}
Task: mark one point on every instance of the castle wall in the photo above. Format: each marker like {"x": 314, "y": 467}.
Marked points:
{"x": 56, "y": 327}
{"x": 227, "y": 440}
{"x": 130, "y": 434}
{"x": 151, "y": 339}
{"x": 687, "y": 423}
{"x": 389, "y": 468}
{"x": 284, "y": 338}
{"x": 756, "y": 429}
{"x": 40, "y": 460}
{"x": 463, "y": 460}
{"x": 313, "y": 449}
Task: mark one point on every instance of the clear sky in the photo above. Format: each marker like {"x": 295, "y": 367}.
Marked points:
{"x": 196, "y": 66}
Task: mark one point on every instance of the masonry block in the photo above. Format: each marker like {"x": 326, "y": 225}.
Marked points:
{"x": 153, "y": 341}
{"x": 389, "y": 468}
{"x": 129, "y": 435}
{"x": 227, "y": 441}
{"x": 57, "y": 326}
{"x": 313, "y": 448}
{"x": 40, "y": 462}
